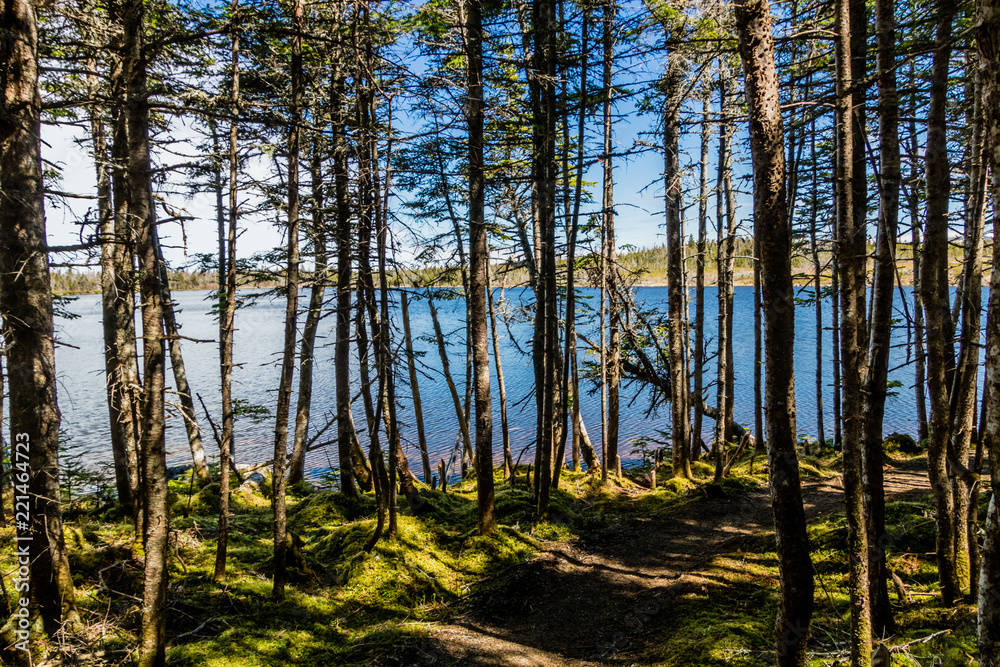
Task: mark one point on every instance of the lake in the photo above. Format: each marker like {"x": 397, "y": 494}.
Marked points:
{"x": 259, "y": 339}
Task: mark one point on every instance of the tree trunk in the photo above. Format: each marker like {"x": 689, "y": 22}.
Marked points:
{"x": 772, "y": 231}
{"x": 124, "y": 476}
{"x": 26, "y": 309}
{"x": 967, "y": 375}
{"x": 988, "y": 38}
{"x": 122, "y": 310}
{"x": 418, "y": 413}
{"x": 699, "y": 283}
{"x": 508, "y": 457}
{"x": 680, "y": 429}
{"x": 850, "y": 352}
{"x": 874, "y": 394}
{"x": 463, "y": 425}
{"x": 817, "y": 283}
{"x": 184, "y": 394}
{"x": 935, "y": 295}
{"x": 291, "y": 309}
{"x": 152, "y": 640}
{"x": 296, "y": 465}
{"x": 611, "y": 251}
{"x": 725, "y": 277}
{"x": 227, "y": 314}
{"x": 479, "y": 257}
{"x": 547, "y": 320}
{"x": 346, "y": 435}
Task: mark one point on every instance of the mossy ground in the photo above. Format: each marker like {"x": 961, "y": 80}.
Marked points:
{"x": 346, "y": 607}
{"x": 728, "y": 618}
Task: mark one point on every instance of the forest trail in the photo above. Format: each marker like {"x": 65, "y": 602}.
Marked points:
{"x": 576, "y": 605}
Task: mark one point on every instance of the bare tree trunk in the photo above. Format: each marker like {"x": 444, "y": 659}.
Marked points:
{"x": 879, "y": 337}
{"x": 967, "y": 377}
{"x": 346, "y": 435}
{"x": 988, "y": 38}
{"x": 479, "y": 258}
{"x": 291, "y": 309}
{"x": 699, "y": 281}
{"x": 835, "y": 328}
{"x": 26, "y": 309}
{"x": 122, "y": 308}
{"x": 124, "y": 481}
{"x": 611, "y": 249}
{"x": 850, "y": 353}
{"x": 508, "y": 457}
{"x": 152, "y": 641}
{"x": 680, "y": 428}
{"x": 463, "y": 425}
{"x": 227, "y": 313}
{"x": 773, "y": 233}
{"x": 547, "y": 320}
{"x": 571, "y": 350}
{"x": 418, "y": 413}
{"x": 296, "y": 465}
{"x": 184, "y": 394}
{"x": 725, "y": 278}
{"x": 935, "y": 295}
{"x": 817, "y": 283}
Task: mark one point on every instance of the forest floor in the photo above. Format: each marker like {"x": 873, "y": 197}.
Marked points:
{"x": 621, "y": 574}
{"x": 618, "y": 594}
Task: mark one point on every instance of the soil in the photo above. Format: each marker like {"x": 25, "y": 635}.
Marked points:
{"x": 576, "y": 604}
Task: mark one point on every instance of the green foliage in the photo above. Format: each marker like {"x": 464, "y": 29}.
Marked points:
{"x": 901, "y": 444}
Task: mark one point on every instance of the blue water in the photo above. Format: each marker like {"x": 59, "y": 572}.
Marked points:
{"x": 259, "y": 338}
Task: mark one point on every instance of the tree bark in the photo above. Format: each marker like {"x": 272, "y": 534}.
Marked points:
{"x": 291, "y": 309}
{"x": 307, "y": 347}
{"x": 988, "y": 39}
{"x": 152, "y": 640}
{"x": 184, "y": 394}
{"x": 227, "y": 313}
{"x": 850, "y": 351}
{"x": 967, "y": 377}
{"x": 699, "y": 283}
{"x": 611, "y": 244}
{"x": 122, "y": 307}
{"x": 880, "y": 326}
{"x": 446, "y": 371}
{"x": 124, "y": 475}
{"x": 26, "y": 309}
{"x": 547, "y": 320}
{"x": 418, "y": 412}
{"x": 772, "y": 231}
{"x": 508, "y": 457}
{"x": 680, "y": 430}
{"x": 724, "y": 271}
{"x": 342, "y": 347}
{"x": 936, "y": 299}
{"x": 479, "y": 257}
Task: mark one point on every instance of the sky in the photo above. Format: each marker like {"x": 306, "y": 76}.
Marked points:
{"x": 637, "y": 174}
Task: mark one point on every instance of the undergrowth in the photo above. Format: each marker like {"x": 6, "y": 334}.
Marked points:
{"x": 348, "y": 607}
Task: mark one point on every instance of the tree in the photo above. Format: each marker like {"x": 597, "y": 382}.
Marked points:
{"x": 936, "y": 302}
{"x": 681, "y": 426}
{"x": 988, "y": 40}
{"x": 26, "y": 309}
{"x": 772, "y": 232}
{"x": 850, "y": 350}
{"x": 479, "y": 257}
{"x": 152, "y": 642}
{"x": 227, "y": 310}
{"x": 880, "y": 326}
{"x": 291, "y": 306}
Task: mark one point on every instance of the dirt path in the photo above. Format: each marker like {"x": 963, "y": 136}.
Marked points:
{"x": 575, "y": 604}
